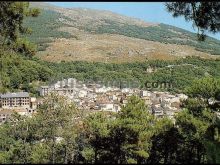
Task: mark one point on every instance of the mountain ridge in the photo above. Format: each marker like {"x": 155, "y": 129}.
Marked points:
{"x": 106, "y": 31}
{"x": 92, "y": 13}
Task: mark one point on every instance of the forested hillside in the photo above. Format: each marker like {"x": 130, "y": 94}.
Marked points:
{"x": 180, "y": 72}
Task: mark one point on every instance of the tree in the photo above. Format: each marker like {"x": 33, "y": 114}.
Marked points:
{"x": 166, "y": 147}
{"x": 96, "y": 128}
{"x": 12, "y": 16}
{"x": 199, "y": 124}
{"x": 205, "y": 15}
{"x": 57, "y": 119}
{"x": 131, "y": 132}
{"x": 120, "y": 138}
{"x": 16, "y": 139}
{"x": 206, "y": 88}
{"x": 194, "y": 130}
{"x": 5, "y": 141}
{"x": 40, "y": 154}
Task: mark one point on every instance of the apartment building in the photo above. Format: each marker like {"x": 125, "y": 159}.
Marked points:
{"x": 15, "y": 100}
{"x": 19, "y": 100}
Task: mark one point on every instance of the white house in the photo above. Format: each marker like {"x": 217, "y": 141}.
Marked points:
{"x": 82, "y": 93}
{"x": 107, "y": 106}
{"x": 144, "y": 93}
{"x": 100, "y": 90}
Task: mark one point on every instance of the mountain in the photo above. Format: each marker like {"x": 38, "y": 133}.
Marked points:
{"x": 73, "y": 34}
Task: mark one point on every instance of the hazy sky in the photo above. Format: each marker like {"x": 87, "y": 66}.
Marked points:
{"x": 147, "y": 11}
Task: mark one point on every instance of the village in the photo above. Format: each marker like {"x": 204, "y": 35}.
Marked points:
{"x": 91, "y": 97}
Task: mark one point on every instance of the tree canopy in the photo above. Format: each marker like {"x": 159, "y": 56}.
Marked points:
{"x": 11, "y": 25}
{"x": 205, "y": 15}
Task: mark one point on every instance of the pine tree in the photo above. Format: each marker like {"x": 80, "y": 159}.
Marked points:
{"x": 12, "y": 15}
{"x": 205, "y": 15}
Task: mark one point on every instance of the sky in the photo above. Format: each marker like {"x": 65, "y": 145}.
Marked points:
{"x": 148, "y": 11}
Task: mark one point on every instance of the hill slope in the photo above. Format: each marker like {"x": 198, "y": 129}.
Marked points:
{"x": 95, "y": 35}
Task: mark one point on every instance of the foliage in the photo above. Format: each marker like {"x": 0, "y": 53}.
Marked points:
{"x": 17, "y": 72}
{"x": 36, "y": 140}
{"x": 200, "y": 122}
{"x": 204, "y": 88}
{"x": 57, "y": 119}
{"x": 129, "y": 134}
{"x": 11, "y": 23}
{"x": 205, "y": 15}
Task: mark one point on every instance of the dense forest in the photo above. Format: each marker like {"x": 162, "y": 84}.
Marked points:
{"x": 179, "y": 73}
{"x": 19, "y": 72}
{"x": 61, "y": 133}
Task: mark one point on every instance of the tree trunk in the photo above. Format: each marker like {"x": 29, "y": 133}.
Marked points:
{"x": 95, "y": 155}
{"x": 166, "y": 155}
{"x": 53, "y": 151}
{"x": 66, "y": 156}
{"x": 25, "y": 151}
{"x": 25, "y": 148}
{"x": 72, "y": 158}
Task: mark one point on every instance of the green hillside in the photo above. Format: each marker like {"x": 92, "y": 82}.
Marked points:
{"x": 180, "y": 72}
{"x": 45, "y": 28}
